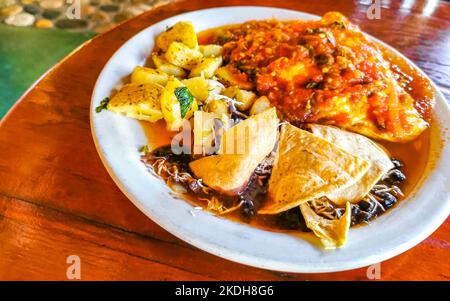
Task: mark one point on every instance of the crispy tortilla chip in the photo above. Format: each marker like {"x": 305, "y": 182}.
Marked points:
{"x": 230, "y": 172}
{"x": 254, "y": 136}
{"x": 332, "y": 233}
{"x": 308, "y": 167}
{"x": 225, "y": 173}
{"x": 362, "y": 147}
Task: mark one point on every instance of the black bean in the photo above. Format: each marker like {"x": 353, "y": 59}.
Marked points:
{"x": 388, "y": 200}
{"x": 195, "y": 186}
{"x": 366, "y": 206}
{"x": 396, "y": 176}
{"x": 359, "y": 216}
{"x": 248, "y": 207}
{"x": 293, "y": 220}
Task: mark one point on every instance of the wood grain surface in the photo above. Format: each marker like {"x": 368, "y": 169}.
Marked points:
{"x": 56, "y": 198}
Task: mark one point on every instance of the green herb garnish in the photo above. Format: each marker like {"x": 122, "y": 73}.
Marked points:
{"x": 311, "y": 85}
{"x": 185, "y": 98}
{"x": 144, "y": 149}
{"x": 103, "y": 105}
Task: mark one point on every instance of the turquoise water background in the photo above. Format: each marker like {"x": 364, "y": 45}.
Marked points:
{"x": 27, "y": 53}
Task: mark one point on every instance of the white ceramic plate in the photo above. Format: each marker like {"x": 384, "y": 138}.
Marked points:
{"x": 117, "y": 139}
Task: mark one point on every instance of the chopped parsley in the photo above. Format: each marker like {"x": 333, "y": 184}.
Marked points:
{"x": 185, "y": 98}
{"x": 103, "y": 105}
{"x": 144, "y": 149}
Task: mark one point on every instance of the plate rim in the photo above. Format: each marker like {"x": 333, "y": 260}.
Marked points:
{"x": 252, "y": 260}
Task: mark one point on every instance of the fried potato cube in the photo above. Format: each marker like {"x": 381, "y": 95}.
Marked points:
{"x": 260, "y": 105}
{"x": 139, "y": 101}
{"x": 211, "y": 50}
{"x": 244, "y": 98}
{"x": 182, "y": 56}
{"x": 217, "y": 106}
{"x": 207, "y": 67}
{"x": 230, "y": 91}
{"x": 199, "y": 87}
{"x": 144, "y": 75}
{"x": 166, "y": 67}
{"x": 170, "y": 105}
{"x": 230, "y": 76}
{"x": 182, "y": 32}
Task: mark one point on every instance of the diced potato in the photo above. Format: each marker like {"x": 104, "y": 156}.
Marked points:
{"x": 230, "y": 91}
{"x": 199, "y": 87}
{"x": 217, "y": 106}
{"x": 144, "y": 75}
{"x": 182, "y": 56}
{"x": 211, "y": 50}
{"x": 165, "y": 66}
{"x": 232, "y": 77}
{"x": 207, "y": 67}
{"x": 244, "y": 98}
{"x": 183, "y": 32}
{"x": 170, "y": 105}
{"x": 260, "y": 105}
{"x": 139, "y": 101}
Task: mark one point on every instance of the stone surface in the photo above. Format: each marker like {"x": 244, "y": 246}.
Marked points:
{"x": 71, "y": 23}
{"x": 120, "y": 17}
{"x": 44, "y": 23}
{"x": 86, "y": 10}
{"x": 51, "y": 4}
{"x": 109, "y": 8}
{"x": 51, "y": 14}
{"x": 22, "y": 19}
{"x": 11, "y": 10}
{"x": 98, "y": 15}
{"x": 32, "y": 9}
{"x": 6, "y": 3}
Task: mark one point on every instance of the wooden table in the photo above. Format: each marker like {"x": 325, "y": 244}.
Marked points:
{"x": 56, "y": 198}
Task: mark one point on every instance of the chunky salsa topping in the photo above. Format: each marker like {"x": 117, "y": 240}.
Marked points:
{"x": 328, "y": 72}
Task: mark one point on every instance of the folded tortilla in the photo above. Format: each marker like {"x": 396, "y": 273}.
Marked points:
{"x": 251, "y": 141}
{"x": 225, "y": 173}
{"x": 255, "y": 136}
{"x": 362, "y": 147}
{"x": 332, "y": 233}
{"x": 308, "y": 167}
